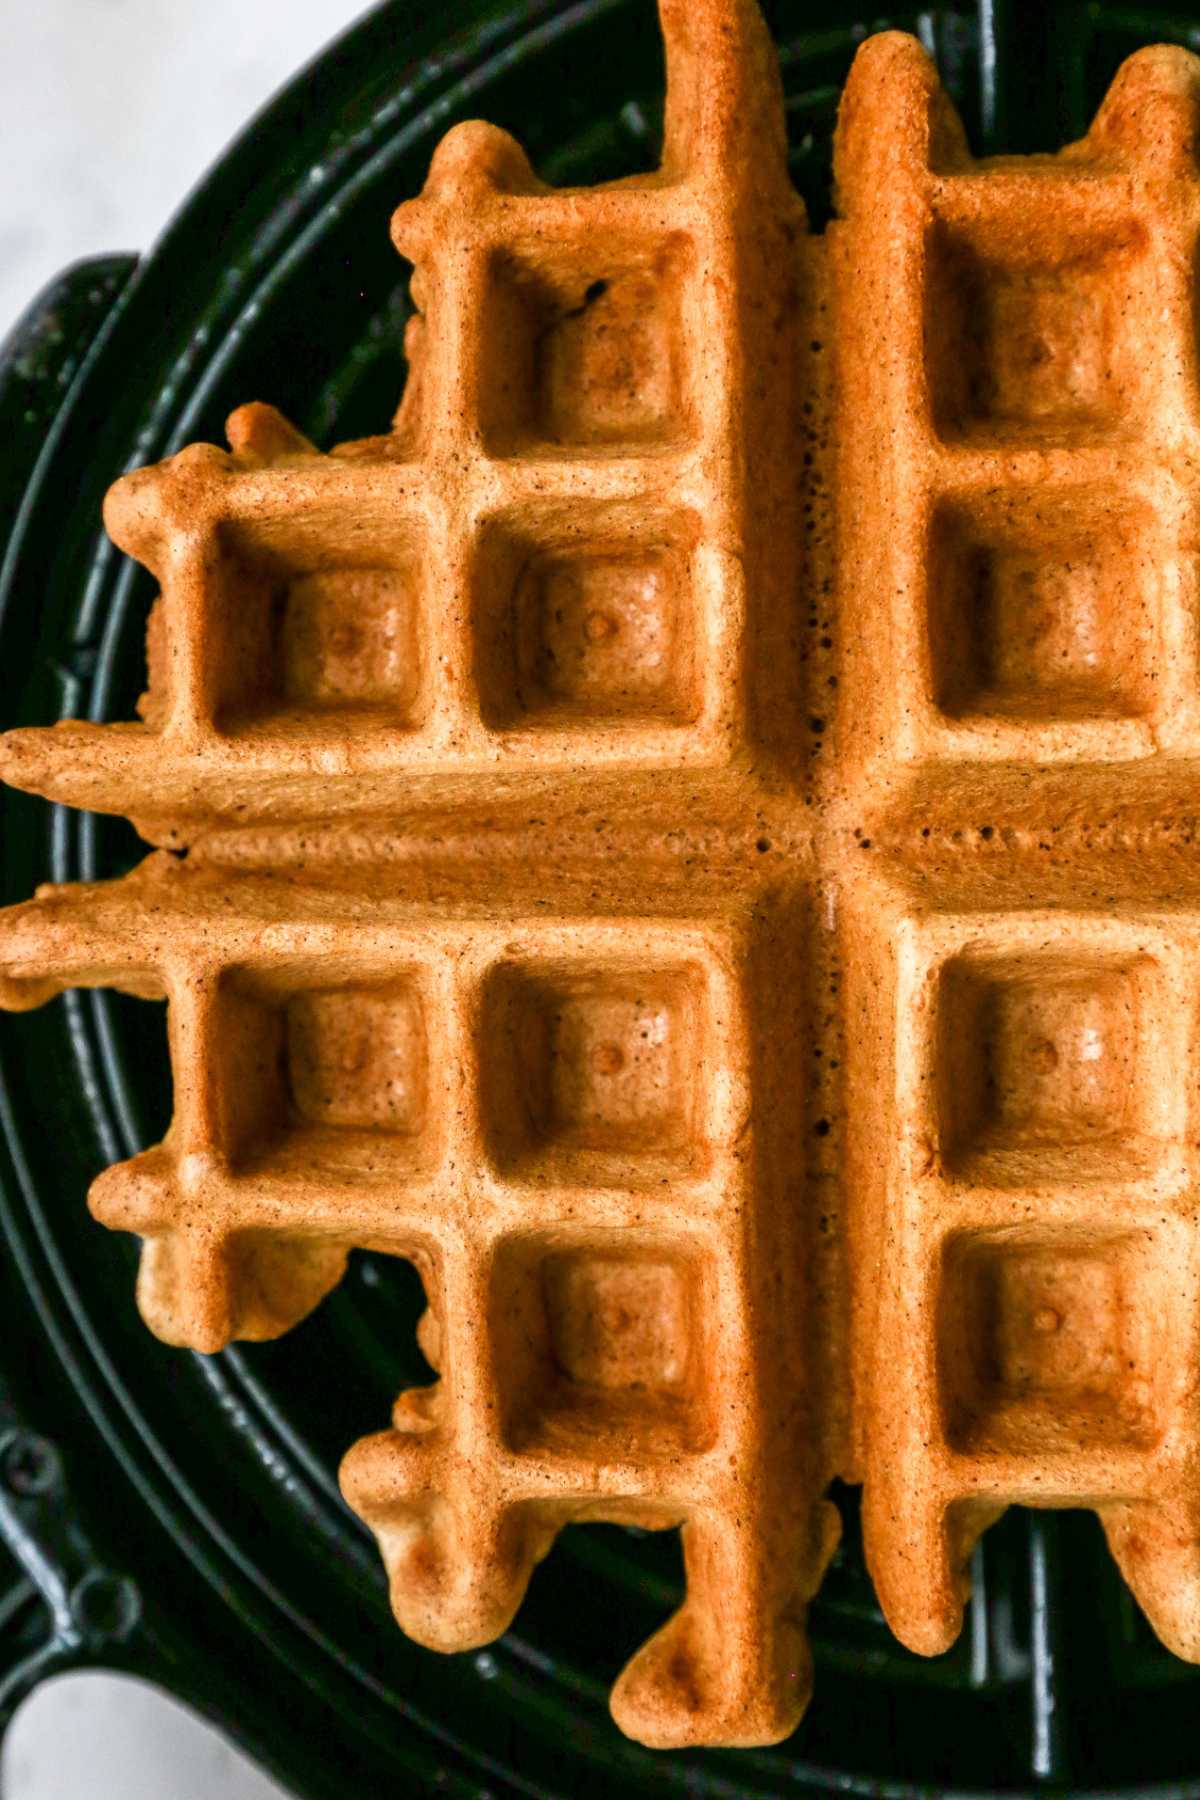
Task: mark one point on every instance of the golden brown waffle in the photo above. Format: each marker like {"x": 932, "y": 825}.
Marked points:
{"x": 548, "y": 622}
{"x": 1016, "y": 343}
{"x": 552, "y": 1121}
{"x": 754, "y": 985}
{"x": 545, "y": 566}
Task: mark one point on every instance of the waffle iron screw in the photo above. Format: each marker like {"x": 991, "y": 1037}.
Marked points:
{"x": 28, "y": 1465}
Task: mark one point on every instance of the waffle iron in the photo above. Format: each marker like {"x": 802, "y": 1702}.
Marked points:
{"x": 177, "y": 1516}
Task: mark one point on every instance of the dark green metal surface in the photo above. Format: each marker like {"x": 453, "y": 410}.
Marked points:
{"x": 177, "y": 1515}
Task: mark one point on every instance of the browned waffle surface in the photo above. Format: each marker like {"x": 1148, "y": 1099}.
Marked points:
{"x": 1015, "y": 483}
{"x": 559, "y": 560}
{"x": 751, "y": 973}
{"x": 553, "y": 1121}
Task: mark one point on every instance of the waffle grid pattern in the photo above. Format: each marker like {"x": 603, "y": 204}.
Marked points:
{"x": 1033, "y": 1214}
{"x": 543, "y": 565}
{"x": 673, "y": 1278}
{"x": 556, "y": 462}
{"x": 1038, "y": 491}
{"x": 1041, "y": 1253}
{"x": 458, "y": 1093}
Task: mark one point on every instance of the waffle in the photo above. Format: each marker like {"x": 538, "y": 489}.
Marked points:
{"x": 538, "y": 595}
{"x": 745, "y": 965}
{"x": 1019, "y": 519}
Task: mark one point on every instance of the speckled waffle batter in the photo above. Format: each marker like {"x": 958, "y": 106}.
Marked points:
{"x": 750, "y": 970}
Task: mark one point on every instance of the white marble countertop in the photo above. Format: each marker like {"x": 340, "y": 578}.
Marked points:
{"x": 112, "y": 110}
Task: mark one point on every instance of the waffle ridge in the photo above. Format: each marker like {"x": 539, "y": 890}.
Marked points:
{"x": 549, "y": 429}
{"x": 1032, "y": 1211}
{"x": 766, "y": 1041}
{"x": 606, "y": 481}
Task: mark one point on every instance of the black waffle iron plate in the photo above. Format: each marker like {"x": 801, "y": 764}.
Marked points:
{"x": 177, "y": 1515}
